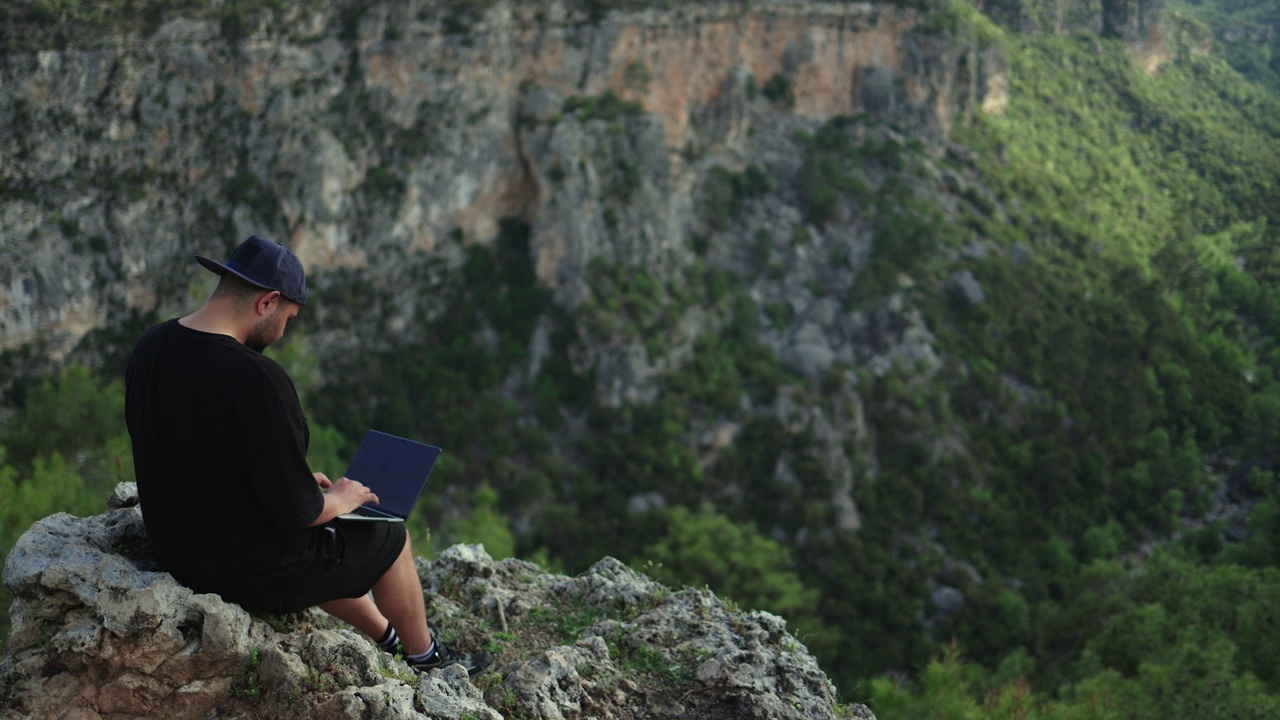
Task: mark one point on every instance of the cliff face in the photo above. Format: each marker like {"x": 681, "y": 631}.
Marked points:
{"x": 99, "y": 632}
{"x": 383, "y": 137}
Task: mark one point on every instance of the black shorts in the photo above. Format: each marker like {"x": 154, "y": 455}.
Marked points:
{"x": 365, "y": 551}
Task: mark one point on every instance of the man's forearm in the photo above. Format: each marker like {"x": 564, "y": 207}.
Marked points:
{"x": 333, "y": 507}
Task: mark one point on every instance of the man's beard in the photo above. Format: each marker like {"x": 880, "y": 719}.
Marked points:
{"x": 262, "y": 334}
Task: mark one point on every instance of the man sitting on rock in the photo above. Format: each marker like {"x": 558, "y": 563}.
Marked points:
{"x": 229, "y": 503}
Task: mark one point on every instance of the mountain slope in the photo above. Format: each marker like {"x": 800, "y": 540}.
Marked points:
{"x": 904, "y": 323}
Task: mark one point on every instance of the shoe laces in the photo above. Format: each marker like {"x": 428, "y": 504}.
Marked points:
{"x": 448, "y": 654}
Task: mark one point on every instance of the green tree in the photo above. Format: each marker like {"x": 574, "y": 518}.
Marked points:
{"x": 1262, "y": 546}
{"x": 485, "y": 524}
{"x": 706, "y": 548}
{"x": 1197, "y": 681}
{"x": 70, "y": 413}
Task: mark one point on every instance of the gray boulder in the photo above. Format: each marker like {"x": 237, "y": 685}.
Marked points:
{"x": 100, "y": 632}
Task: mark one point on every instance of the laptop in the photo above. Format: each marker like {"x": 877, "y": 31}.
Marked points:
{"x": 396, "y": 470}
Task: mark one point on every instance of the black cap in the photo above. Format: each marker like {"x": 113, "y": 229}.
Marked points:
{"x": 268, "y": 265}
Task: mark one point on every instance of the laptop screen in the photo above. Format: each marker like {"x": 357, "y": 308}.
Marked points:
{"x": 395, "y": 469}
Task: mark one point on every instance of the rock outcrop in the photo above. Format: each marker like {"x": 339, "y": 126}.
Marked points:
{"x": 100, "y": 632}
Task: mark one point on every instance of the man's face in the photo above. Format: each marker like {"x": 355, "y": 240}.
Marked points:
{"x": 271, "y": 328}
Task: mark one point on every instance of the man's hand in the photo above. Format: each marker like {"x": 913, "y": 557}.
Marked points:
{"x": 342, "y": 497}
{"x": 351, "y": 494}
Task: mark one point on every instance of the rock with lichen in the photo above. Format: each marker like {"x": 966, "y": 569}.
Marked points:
{"x": 99, "y": 631}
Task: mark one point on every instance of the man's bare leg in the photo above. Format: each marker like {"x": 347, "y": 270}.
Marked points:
{"x": 397, "y": 597}
{"x": 360, "y": 613}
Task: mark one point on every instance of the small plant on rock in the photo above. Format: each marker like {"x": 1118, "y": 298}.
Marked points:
{"x": 248, "y": 686}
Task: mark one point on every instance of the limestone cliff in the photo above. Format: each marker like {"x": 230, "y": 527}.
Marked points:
{"x": 381, "y": 137}
{"x": 100, "y": 632}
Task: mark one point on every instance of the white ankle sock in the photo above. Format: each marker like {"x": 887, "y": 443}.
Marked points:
{"x": 423, "y": 655}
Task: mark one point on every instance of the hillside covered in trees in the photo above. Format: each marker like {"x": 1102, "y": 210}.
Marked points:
{"x": 968, "y": 370}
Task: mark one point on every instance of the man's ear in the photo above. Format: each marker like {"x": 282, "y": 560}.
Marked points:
{"x": 267, "y": 303}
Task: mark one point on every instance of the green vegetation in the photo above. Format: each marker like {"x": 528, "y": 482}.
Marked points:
{"x": 705, "y": 547}
{"x": 461, "y": 15}
{"x": 909, "y": 233}
{"x": 607, "y": 106}
{"x": 1159, "y": 644}
{"x": 486, "y": 525}
{"x": 39, "y": 24}
{"x": 567, "y": 623}
{"x": 724, "y": 192}
{"x": 644, "y": 660}
{"x": 1245, "y": 32}
{"x": 248, "y": 686}
{"x": 780, "y": 91}
{"x": 1130, "y": 298}
{"x": 637, "y": 76}
{"x": 832, "y": 172}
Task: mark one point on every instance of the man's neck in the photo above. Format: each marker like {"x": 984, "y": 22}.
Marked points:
{"x": 212, "y": 319}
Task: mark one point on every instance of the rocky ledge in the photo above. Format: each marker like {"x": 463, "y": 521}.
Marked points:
{"x": 100, "y": 632}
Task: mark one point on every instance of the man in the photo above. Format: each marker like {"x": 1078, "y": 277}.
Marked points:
{"x": 228, "y": 500}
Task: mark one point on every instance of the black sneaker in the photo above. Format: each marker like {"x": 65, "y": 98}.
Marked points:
{"x": 474, "y": 663}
